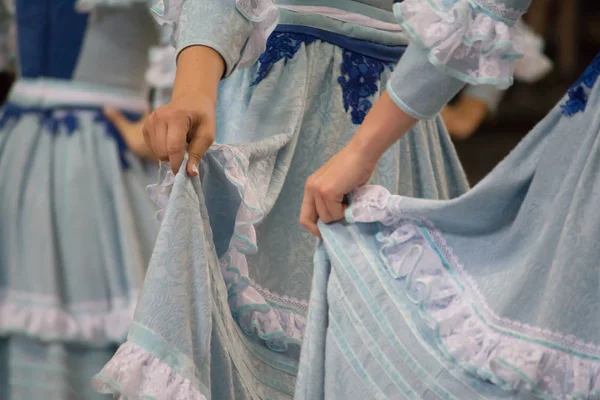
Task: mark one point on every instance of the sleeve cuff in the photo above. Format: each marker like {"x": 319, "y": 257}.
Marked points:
{"x": 418, "y": 87}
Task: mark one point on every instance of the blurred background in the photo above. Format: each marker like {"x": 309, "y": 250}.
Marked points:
{"x": 570, "y": 30}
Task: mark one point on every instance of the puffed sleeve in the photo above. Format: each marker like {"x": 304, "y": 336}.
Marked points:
{"x": 236, "y": 29}
{"x": 535, "y": 64}
{"x": 453, "y": 42}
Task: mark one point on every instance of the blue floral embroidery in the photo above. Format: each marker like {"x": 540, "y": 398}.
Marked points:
{"x": 578, "y": 96}
{"x": 359, "y": 78}
{"x": 280, "y": 46}
{"x": 57, "y": 121}
{"x": 359, "y": 81}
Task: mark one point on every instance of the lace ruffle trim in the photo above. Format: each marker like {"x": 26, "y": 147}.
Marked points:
{"x": 262, "y": 13}
{"x": 134, "y": 373}
{"x": 51, "y": 322}
{"x": 278, "y": 320}
{"x": 462, "y": 39}
{"x": 535, "y": 64}
{"x": 453, "y": 308}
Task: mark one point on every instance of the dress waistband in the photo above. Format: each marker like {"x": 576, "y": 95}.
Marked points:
{"x": 344, "y": 23}
{"x": 345, "y": 16}
{"x": 44, "y": 92}
{"x": 374, "y": 50}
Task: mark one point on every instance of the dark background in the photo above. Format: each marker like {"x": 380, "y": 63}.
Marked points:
{"x": 523, "y": 105}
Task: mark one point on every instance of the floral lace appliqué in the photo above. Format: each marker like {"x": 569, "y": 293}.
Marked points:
{"x": 360, "y": 81}
{"x": 578, "y": 94}
{"x": 359, "y": 78}
{"x": 280, "y": 46}
{"x": 58, "y": 122}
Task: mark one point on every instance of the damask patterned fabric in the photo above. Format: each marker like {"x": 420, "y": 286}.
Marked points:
{"x": 77, "y": 229}
{"x": 492, "y": 295}
{"x": 232, "y": 266}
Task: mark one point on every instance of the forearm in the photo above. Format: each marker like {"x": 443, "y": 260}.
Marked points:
{"x": 199, "y": 70}
{"x": 385, "y": 124}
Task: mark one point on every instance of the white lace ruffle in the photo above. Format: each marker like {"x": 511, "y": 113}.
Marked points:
{"x": 535, "y": 64}
{"x": 252, "y": 305}
{"x": 462, "y": 39}
{"x": 19, "y": 314}
{"x": 447, "y": 301}
{"x": 262, "y": 13}
{"x": 89, "y": 5}
{"x": 134, "y": 373}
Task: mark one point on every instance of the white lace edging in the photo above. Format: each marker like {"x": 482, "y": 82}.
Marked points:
{"x": 89, "y": 5}
{"x": 455, "y": 311}
{"x": 263, "y": 14}
{"x": 466, "y": 41}
{"x": 535, "y": 64}
{"x": 134, "y": 373}
{"x": 18, "y": 315}
{"x": 278, "y": 320}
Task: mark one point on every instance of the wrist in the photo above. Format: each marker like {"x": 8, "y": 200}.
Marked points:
{"x": 384, "y": 125}
{"x": 363, "y": 152}
{"x": 199, "y": 71}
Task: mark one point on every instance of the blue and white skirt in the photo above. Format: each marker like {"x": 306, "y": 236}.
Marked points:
{"x": 493, "y": 295}
{"x": 224, "y": 304}
{"x": 76, "y": 233}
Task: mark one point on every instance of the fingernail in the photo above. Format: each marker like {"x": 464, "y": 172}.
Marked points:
{"x": 194, "y": 169}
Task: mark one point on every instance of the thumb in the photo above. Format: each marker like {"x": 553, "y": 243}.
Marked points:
{"x": 199, "y": 144}
{"x": 117, "y": 118}
{"x": 200, "y": 141}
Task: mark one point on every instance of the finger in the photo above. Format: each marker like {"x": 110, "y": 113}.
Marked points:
{"x": 200, "y": 142}
{"x": 198, "y": 146}
{"x": 336, "y": 210}
{"x": 308, "y": 214}
{"x": 322, "y": 210}
{"x": 176, "y": 134}
{"x": 160, "y": 140}
{"x": 149, "y": 132}
{"x": 116, "y": 118}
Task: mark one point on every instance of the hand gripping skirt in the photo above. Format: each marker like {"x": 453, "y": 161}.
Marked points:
{"x": 223, "y": 309}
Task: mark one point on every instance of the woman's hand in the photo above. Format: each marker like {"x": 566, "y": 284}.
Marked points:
{"x": 325, "y": 189}
{"x": 186, "y": 120}
{"x": 131, "y": 132}
{"x": 190, "y": 116}
{"x": 353, "y": 166}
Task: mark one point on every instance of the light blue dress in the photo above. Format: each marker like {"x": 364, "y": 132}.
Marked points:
{"x": 224, "y": 304}
{"x": 76, "y": 226}
{"x": 493, "y": 295}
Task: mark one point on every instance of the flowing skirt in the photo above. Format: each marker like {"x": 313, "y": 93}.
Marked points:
{"x": 493, "y": 295}
{"x": 223, "y": 309}
{"x": 76, "y": 233}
